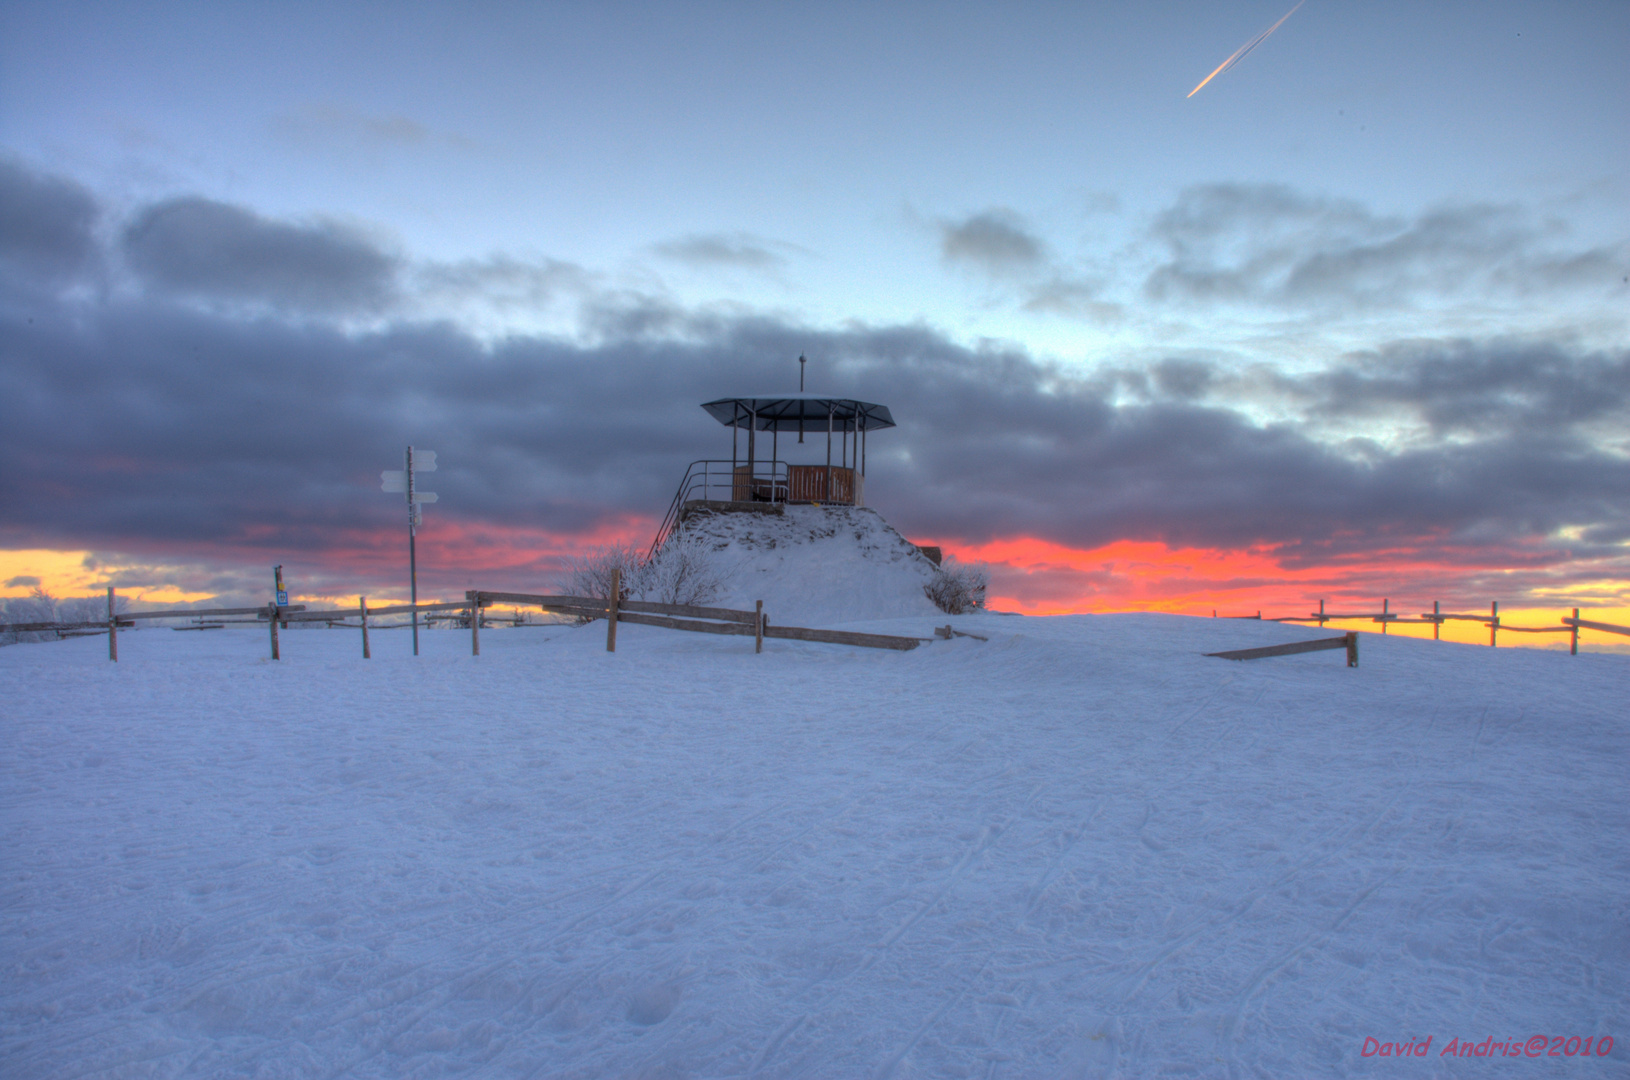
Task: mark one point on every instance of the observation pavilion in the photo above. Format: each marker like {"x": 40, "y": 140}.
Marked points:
{"x": 753, "y": 483}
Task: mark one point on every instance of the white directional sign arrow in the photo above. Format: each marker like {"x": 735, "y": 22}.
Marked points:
{"x": 393, "y": 480}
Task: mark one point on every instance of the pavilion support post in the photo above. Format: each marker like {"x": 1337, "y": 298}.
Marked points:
{"x": 362, "y": 607}
{"x": 752, "y": 454}
{"x": 1573, "y": 649}
{"x": 827, "y": 497}
{"x": 735, "y": 430}
{"x": 775, "y": 456}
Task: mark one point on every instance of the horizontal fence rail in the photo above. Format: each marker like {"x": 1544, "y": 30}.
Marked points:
{"x": 707, "y": 620}
{"x": 1348, "y": 641}
{"x": 714, "y": 620}
{"x": 1611, "y": 628}
{"x": 689, "y": 617}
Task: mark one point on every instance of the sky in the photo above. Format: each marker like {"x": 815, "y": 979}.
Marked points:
{"x": 1349, "y": 323}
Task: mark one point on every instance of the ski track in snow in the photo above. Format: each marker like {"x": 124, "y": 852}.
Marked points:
{"x": 1079, "y": 849}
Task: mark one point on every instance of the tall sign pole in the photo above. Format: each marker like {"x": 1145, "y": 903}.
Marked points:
{"x": 406, "y": 481}
{"x": 413, "y": 554}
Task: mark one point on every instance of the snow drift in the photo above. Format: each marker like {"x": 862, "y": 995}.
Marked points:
{"x": 814, "y": 565}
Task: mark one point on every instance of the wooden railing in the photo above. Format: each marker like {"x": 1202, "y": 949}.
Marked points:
{"x": 691, "y": 617}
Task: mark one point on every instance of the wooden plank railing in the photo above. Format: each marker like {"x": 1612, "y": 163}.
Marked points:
{"x": 1348, "y": 641}
{"x": 707, "y": 620}
{"x": 1586, "y": 624}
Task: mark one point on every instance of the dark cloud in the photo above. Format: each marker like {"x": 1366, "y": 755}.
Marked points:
{"x": 1268, "y": 244}
{"x": 1183, "y": 379}
{"x": 22, "y": 581}
{"x": 1476, "y": 389}
{"x": 994, "y": 241}
{"x": 997, "y": 243}
{"x": 45, "y": 228}
{"x": 140, "y": 424}
{"x": 171, "y": 425}
{"x": 739, "y": 251}
{"x": 206, "y": 250}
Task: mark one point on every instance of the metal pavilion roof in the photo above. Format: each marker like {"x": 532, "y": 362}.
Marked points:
{"x": 799, "y": 412}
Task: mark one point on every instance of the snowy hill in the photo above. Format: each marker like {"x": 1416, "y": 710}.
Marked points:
{"x": 1079, "y": 849}
{"x": 816, "y": 566}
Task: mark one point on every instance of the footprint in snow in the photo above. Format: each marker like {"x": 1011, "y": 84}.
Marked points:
{"x": 652, "y": 1004}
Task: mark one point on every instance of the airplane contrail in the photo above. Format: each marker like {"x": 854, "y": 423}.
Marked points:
{"x": 1245, "y": 49}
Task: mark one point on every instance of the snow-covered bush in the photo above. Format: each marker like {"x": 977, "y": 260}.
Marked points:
{"x": 957, "y": 588}
{"x": 589, "y": 574}
{"x": 40, "y": 606}
{"x": 686, "y": 570}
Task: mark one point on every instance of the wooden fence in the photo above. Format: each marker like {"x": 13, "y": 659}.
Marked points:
{"x": 1348, "y": 641}
{"x": 689, "y": 617}
{"x": 1437, "y": 617}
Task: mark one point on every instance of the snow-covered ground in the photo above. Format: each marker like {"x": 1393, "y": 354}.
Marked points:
{"x": 1078, "y": 849}
{"x": 813, "y": 565}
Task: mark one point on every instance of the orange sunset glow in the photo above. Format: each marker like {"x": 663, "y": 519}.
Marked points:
{"x": 1028, "y": 575}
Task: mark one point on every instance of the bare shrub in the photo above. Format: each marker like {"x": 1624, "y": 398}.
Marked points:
{"x": 957, "y": 588}
{"x": 589, "y": 574}
{"x": 687, "y": 570}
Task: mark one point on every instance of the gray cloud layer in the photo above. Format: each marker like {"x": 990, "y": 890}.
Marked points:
{"x": 207, "y": 250}
{"x": 1270, "y": 247}
{"x": 1268, "y": 244}
{"x": 149, "y": 421}
{"x": 45, "y": 228}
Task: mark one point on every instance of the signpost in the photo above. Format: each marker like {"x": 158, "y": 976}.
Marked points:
{"x": 281, "y": 591}
{"x": 404, "y": 480}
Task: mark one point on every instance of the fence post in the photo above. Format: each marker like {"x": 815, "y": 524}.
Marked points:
{"x": 362, "y": 602}
{"x": 1385, "y": 611}
{"x": 758, "y": 626}
{"x": 1494, "y": 621}
{"x": 1573, "y": 650}
{"x": 113, "y": 629}
{"x": 1437, "y": 623}
{"x": 1321, "y": 614}
{"x": 271, "y": 617}
{"x": 1352, "y": 648}
{"x": 611, "y": 609}
{"x": 475, "y": 622}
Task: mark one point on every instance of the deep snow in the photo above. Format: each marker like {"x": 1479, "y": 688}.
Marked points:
{"x": 1079, "y": 849}
{"x": 814, "y": 565}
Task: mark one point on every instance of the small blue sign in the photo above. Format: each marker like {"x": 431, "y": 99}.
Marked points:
{"x": 282, "y": 598}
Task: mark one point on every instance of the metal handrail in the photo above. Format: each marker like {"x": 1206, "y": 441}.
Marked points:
{"x": 707, "y": 475}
